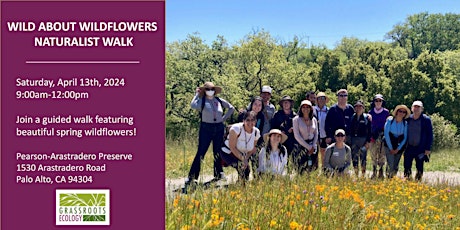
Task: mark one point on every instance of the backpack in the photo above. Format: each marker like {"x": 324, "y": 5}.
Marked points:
{"x": 227, "y": 134}
{"x": 391, "y": 135}
{"x": 366, "y": 118}
{"x": 203, "y": 102}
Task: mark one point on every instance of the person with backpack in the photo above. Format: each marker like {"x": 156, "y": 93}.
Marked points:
{"x": 305, "y": 126}
{"x": 257, "y": 105}
{"x": 338, "y": 155}
{"x": 283, "y": 121}
{"x": 360, "y": 129}
{"x": 273, "y": 156}
{"x": 395, "y": 133}
{"x": 419, "y": 141}
{"x": 379, "y": 116}
{"x": 241, "y": 144}
{"x": 212, "y": 127}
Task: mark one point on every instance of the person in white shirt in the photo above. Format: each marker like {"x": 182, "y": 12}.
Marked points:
{"x": 241, "y": 143}
{"x": 321, "y": 112}
{"x": 273, "y": 156}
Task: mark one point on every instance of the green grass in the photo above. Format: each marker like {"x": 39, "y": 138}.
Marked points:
{"x": 312, "y": 201}
{"x": 180, "y": 154}
{"x": 317, "y": 202}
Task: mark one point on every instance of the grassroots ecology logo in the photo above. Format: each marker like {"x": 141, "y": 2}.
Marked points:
{"x": 82, "y": 207}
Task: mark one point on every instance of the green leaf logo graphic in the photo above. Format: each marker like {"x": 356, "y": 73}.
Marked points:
{"x": 73, "y": 199}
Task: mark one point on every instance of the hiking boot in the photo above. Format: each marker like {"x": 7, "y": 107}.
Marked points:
{"x": 357, "y": 172}
{"x": 189, "y": 185}
{"x": 381, "y": 173}
{"x": 374, "y": 172}
{"x": 418, "y": 176}
{"x": 218, "y": 178}
{"x": 363, "y": 172}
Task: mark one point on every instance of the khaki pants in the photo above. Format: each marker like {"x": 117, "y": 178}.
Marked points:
{"x": 378, "y": 153}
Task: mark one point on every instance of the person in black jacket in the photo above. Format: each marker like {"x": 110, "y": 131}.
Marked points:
{"x": 339, "y": 117}
{"x": 360, "y": 132}
{"x": 283, "y": 121}
{"x": 419, "y": 140}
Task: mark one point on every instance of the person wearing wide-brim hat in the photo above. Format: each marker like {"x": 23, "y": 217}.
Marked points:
{"x": 395, "y": 133}
{"x": 403, "y": 107}
{"x": 273, "y": 156}
{"x": 282, "y": 120}
{"x": 211, "y": 127}
{"x": 209, "y": 86}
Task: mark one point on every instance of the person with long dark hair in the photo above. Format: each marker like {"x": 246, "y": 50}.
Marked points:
{"x": 241, "y": 144}
{"x": 306, "y": 134}
{"x": 273, "y": 156}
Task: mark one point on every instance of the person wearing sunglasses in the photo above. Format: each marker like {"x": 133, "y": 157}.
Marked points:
{"x": 339, "y": 116}
{"x": 377, "y": 151}
{"x": 419, "y": 141}
{"x": 338, "y": 155}
{"x": 212, "y": 127}
{"x": 395, "y": 133}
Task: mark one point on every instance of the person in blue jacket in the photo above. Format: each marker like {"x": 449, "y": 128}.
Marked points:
{"x": 419, "y": 141}
{"x": 395, "y": 133}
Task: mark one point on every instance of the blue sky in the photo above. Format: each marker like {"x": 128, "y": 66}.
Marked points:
{"x": 314, "y": 21}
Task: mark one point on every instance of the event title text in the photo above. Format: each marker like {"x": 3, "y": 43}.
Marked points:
{"x": 107, "y": 27}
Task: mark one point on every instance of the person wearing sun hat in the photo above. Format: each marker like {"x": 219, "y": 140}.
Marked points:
{"x": 395, "y": 133}
{"x": 419, "y": 141}
{"x": 283, "y": 121}
{"x": 377, "y": 150}
{"x": 305, "y": 126}
{"x": 273, "y": 156}
{"x": 212, "y": 127}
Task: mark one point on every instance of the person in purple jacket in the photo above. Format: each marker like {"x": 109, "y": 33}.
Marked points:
{"x": 377, "y": 151}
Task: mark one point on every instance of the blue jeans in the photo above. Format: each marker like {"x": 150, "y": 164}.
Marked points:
{"x": 392, "y": 162}
{"x": 208, "y": 132}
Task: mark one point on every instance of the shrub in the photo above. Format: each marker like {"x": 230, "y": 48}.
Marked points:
{"x": 445, "y": 133}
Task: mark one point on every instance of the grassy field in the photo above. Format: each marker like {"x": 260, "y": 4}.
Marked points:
{"x": 317, "y": 202}
{"x": 313, "y": 202}
{"x": 180, "y": 154}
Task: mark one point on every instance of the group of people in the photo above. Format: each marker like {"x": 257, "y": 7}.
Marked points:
{"x": 265, "y": 140}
